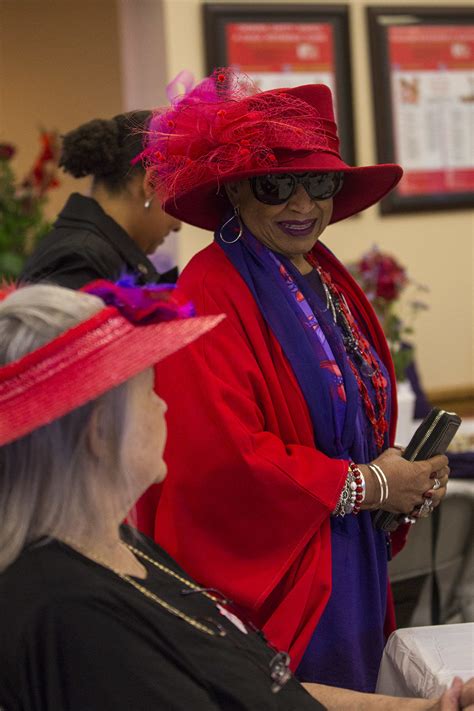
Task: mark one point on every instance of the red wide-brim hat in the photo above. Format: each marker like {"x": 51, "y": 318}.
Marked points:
{"x": 93, "y": 357}
{"x": 224, "y": 130}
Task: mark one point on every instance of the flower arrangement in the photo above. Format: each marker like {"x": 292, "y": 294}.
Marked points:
{"x": 22, "y": 220}
{"x": 383, "y": 280}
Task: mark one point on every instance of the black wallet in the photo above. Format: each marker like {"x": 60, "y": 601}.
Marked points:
{"x": 431, "y": 438}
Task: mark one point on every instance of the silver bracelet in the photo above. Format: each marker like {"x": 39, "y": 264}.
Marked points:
{"x": 382, "y": 480}
{"x": 377, "y": 475}
{"x": 347, "y": 498}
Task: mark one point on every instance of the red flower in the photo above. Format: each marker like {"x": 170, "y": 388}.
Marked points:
{"x": 383, "y": 279}
{"x": 42, "y": 176}
{"x": 7, "y": 151}
{"x": 383, "y": 275}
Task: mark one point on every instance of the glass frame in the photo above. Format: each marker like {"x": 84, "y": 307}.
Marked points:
{"x": 379, "y": 19}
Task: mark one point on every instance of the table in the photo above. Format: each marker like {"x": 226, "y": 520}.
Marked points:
{"x": 422, "y": 661}
{"x": 460, "y": 487}
{"x": 412, "y": 570}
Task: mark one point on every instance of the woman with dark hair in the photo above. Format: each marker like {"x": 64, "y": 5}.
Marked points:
{"x": 112, "y": 231}
{"x": 275, "y": 475}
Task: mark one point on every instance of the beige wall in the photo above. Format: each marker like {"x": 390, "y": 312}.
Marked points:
{"x": 59, "y": 67}
{"x": 60, "y": 64}
{"x": 437, "y": 248}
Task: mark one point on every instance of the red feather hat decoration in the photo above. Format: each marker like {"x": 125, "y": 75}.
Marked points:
{"x": 225, "y": 129}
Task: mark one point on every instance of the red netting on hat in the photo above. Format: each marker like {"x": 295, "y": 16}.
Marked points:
{"x": 224, "y": 126}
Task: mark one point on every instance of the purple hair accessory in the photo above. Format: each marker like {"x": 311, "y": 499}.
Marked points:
{"x": 183, "y": 79}
{"x": 152, "y": 303}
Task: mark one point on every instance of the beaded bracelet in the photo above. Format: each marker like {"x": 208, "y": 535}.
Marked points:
{"x": 352, "y": 494}
{"x": 359, "y": 480}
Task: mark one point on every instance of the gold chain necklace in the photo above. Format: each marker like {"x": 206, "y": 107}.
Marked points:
{"x": 150, "y": 595}
{"x": 278, "y": 665}
{"x": 171, "y": 573}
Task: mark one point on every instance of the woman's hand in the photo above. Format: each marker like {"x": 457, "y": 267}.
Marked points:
{"x": 467, "y": 695}
{"x": 409, "y": 483}
{"x": 458, "y": 696}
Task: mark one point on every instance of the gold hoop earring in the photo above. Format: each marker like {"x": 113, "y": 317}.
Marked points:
{"x": 235, "y": 216}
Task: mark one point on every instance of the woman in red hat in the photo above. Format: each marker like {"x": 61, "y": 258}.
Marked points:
{"x": 93, "y": 615}
{"x": 290, "y": 407}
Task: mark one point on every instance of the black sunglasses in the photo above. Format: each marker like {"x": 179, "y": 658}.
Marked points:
{"x": 275, "y": 189}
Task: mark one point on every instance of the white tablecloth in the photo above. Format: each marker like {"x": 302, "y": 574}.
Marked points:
{"x": 422, "y": 661}
{"x": 461, "y": 487}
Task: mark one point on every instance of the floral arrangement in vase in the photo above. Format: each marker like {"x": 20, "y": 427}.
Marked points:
{"x": 22, "y": 219}
{"x": 384, "y": 280}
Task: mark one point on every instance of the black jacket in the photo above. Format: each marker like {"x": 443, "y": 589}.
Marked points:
{"x": 86, "y": 244}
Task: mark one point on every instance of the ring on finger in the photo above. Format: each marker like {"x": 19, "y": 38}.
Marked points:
{"x": 436, "y": 484}
{"x": 425, "y": 508}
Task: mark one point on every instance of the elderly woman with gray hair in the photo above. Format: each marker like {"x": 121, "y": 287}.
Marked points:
{"x": 93, "y": 615}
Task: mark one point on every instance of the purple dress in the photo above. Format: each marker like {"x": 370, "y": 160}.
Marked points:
{"x": 347, "y": 645}
{"x": 355, "y": 613}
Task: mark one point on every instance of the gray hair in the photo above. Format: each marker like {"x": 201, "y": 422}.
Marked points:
{"x": 50, "y": 481}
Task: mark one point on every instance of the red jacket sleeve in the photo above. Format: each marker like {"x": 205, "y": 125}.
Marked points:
{"x": 247, "y": 491}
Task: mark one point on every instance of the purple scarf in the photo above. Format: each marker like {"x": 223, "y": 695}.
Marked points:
{"x": 347, "y": 645}
{"x": 315, "y": 350}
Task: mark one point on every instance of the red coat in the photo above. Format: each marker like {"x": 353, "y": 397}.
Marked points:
{"x": 246, "y": 504}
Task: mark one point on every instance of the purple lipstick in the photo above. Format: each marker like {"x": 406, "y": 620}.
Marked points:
{"x": 297, "y": 228}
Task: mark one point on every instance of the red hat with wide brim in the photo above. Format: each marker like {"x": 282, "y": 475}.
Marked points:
{"x": 91, "y": 358}
{"x": 207, "y": 139}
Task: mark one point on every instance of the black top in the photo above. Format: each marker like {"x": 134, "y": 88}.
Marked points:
{"x": 76, "y": 637}
{"x": 86, "y": 244}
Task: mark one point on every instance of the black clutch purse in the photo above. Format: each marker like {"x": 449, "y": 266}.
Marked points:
{"x": 431, "y": 438}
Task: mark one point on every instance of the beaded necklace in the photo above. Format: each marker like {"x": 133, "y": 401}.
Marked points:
{"x": 358, "y": 347}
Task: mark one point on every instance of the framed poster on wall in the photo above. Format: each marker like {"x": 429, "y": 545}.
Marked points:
{"x": 423, "y": 87}
{"x": 285, "y": 46}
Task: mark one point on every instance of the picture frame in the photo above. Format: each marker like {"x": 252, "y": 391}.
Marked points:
{"x": 423, "y": 98}
{"x": 284, "y": 45}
